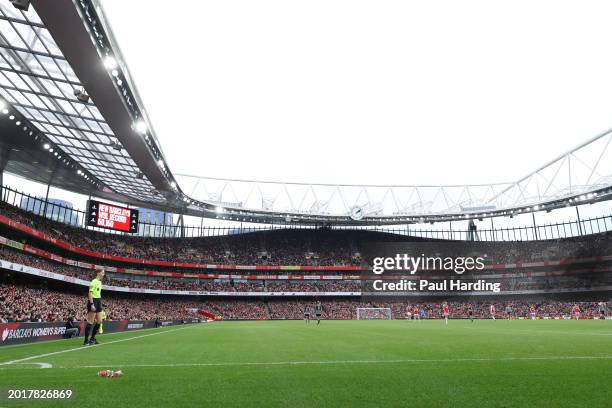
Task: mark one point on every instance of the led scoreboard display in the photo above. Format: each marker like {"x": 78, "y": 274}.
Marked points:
{"x": 113, "y": 217}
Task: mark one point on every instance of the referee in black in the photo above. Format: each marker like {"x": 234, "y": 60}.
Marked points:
{"x": 94, "y": 309}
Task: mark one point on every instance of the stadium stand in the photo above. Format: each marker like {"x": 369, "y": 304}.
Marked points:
{"x": 309, "y": 248}
{"x": 24, "y": 302}
{"x": 321, "y": 248}
{"x": 578, "y": 265}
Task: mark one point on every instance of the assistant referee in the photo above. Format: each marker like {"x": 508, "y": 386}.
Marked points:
{"x": 94, "y": 309}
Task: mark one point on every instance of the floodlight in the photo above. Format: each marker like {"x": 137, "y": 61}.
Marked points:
{"x": 140, "y": 126}
{"x": 110, "y": 63}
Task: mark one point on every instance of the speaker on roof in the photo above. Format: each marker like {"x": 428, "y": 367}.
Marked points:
{"x": 21, "y": 4}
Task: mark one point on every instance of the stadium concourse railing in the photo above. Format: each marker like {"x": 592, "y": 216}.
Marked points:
{"x": 56, "y": 211}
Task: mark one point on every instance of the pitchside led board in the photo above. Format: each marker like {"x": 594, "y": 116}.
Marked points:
{"x": 109, "y": 216}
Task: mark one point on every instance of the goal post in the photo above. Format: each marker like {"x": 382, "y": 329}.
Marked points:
{"x": 374, "y": 313}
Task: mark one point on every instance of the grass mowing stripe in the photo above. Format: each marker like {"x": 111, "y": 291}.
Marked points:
{"x": 87, "y": 347}
{"x": 541, "y": 332}
{"x": 341, "y": 362}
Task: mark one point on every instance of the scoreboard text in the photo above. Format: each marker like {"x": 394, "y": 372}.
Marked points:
{"x": 113, "y": 217}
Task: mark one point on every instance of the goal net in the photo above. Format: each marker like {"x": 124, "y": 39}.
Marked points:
{"x": 373, "y": 313}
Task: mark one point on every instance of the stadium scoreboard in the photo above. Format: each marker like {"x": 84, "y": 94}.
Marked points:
{"x": 110, "y": 216}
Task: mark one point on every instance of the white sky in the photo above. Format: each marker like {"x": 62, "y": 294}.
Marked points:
{"x": 368, "y": 91}
{"x": 378, "y": 92}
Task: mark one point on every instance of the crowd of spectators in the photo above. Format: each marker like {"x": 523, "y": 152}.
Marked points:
{"x": 281, "y": 247}
{"x": 237, "y": 309}
{"x": 322, "y": 247}
{"x": 37, "y": 302}
{"x": 515, "y": 281}
{"x": 347, "y": 309}
{"x": 150, "y": 282}
{"x": 266, "y": 248}
{"x": 516, "y": 309}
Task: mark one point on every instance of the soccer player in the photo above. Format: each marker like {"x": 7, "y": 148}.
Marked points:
{"x": 492, "y": 311}
{"x": 532, "y": 312}
{"x": 509, "y": 312}
{"x": 408, "y": 313}
{"x": 307, "y": 314}
{"x": 601, "y": 306}
{"x": 576, "y": 311}
{"x": 94, "y": 309}
{"x": 318, "y": 311}
{"x": 415, "y": 313}
{"x": 471, "y": 313}
{"x": 445, "y": 312}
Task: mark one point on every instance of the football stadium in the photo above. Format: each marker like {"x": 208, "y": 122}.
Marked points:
{"x": 236, "y": 231}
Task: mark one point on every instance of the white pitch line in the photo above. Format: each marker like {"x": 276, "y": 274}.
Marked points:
{"x": 340, "y": 362}
{"x": 41, "y": 365}
{"x": 88, "y": 347}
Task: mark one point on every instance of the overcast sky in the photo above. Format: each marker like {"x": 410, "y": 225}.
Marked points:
{"x": 368, "y": 91}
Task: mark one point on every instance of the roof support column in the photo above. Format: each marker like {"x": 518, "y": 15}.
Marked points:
{"x": 181, "y": 224}
{"x": 579, "y": 222}
{"x": 3, "y": 162}
{"x": 44, "y": 212}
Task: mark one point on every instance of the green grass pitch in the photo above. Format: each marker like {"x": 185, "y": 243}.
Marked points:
{"x": 337, "y": 364}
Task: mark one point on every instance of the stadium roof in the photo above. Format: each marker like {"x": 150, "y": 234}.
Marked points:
{"x": 74, "y": 119}
{"x": 39, "y": 82}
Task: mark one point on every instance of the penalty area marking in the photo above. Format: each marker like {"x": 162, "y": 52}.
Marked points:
{"x": 341, "y": 362}
{"x": 5, "y": 363}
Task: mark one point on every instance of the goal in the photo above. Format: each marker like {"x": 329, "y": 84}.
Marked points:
{"x": 373, "y": 313}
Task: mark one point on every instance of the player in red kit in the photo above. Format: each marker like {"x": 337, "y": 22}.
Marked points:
{"x": 576, "y": 311}
{"x": 532, "y": 312}
{"x": 415, "y": 313}
{"x": 445, "y": 312}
